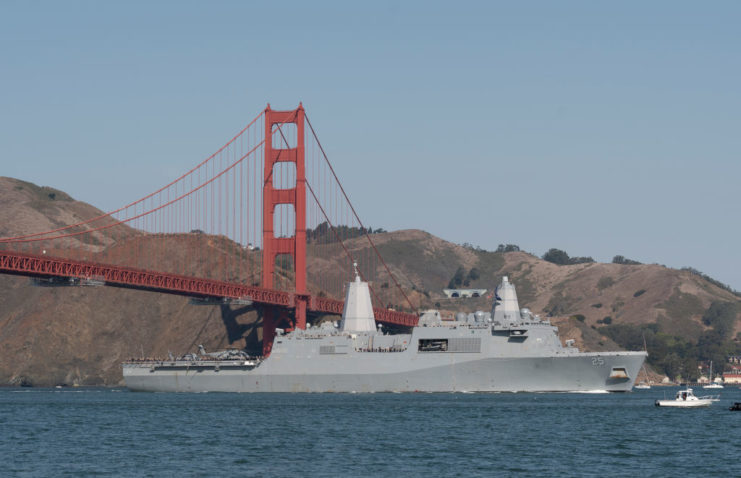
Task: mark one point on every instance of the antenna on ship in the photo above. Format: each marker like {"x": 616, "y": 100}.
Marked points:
{"x": 355, "y": 269}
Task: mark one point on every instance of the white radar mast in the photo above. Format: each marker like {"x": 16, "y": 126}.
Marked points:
{"x": 357, "y": 316}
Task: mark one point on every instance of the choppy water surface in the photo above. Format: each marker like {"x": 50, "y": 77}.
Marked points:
{"x": 114, "y": 432}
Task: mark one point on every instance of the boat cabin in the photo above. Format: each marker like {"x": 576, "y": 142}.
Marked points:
{"x": 685, "y": 395}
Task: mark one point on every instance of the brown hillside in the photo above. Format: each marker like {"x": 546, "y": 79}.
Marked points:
{"x": 627, "y": 294}
{"x": 81, "y": 334}
{"x": 26, "y": 209}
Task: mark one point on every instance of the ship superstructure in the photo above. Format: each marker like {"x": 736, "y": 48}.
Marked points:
{"x": 506, "y": 350}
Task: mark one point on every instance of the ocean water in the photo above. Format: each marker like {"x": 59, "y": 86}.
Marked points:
{"x": 113, "y": 432}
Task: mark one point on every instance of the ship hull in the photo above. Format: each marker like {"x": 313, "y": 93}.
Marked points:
{"x": 384, "y": 372}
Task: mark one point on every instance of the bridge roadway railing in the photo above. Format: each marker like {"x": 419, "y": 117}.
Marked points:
{"x": 43, "y": 266}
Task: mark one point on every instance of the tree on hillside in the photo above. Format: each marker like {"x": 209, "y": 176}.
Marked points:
{"x": 325, "y": 234}
{"x": 624, "y": 261}
{"x": 721, "y": 316}
{"x": 581, "y": 260}
{"x": 556, "y": 256}
{"x": 457, "y": 279}
{"x": 711, "y": 346}
{"x": 508, "y": 248}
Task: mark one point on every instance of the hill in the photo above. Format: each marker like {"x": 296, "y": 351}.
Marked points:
{"x": 80, "y": 335}
{"x": 26, "y": 208}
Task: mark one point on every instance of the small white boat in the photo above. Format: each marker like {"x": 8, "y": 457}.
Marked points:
{"x": 687, "y": 399}
{"x": 712, "y": 385}
{"x": 644, "y": 384}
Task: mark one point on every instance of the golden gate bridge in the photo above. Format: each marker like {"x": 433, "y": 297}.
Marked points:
{"x": 239, "y": 226}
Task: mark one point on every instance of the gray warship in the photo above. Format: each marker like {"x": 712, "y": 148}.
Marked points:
{"x": 506, "y": 350}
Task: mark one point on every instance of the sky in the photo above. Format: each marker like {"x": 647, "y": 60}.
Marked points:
{"x": 599, "y": 128}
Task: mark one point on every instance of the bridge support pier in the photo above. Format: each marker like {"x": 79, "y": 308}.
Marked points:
{"x": 268, "y": 330}
{"x": 301, "y": 306}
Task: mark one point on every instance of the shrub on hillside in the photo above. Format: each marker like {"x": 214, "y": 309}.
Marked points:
{"x": 581, "y": 260}
{"x": 625, "y": 261}
{"x": 460, "y": 278}
{"x": 559, "y": 305}
{"x": 457, "y": 279}
{"x": 619, "y": 302}
{"x": 556, "y": 256}
{"x": 561, "y": 258}
{"x": 605, "y": 282}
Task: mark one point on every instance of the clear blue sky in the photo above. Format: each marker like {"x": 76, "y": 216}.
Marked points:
{"x": 599, "y": 128}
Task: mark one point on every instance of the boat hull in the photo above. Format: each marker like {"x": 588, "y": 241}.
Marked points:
{"x": 688, "y": 404}
{"x": 389, "y": 372}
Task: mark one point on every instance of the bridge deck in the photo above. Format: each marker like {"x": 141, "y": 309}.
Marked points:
{"x": 33, "y": 265}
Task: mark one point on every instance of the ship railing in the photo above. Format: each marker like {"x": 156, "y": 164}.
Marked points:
{"x": 381, "y": 349}
{"x": 192, "y": 360}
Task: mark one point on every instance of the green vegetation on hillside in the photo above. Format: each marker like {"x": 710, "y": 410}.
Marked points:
{"x": 561, "y": 258}
{"x": 716, "y": 283}
{"x": 605, "y": 282}
{"x": 559, "y": 304}
{"x": 324, "y": 234}
{"x": 683, "y": 306}
{"x": 457, "y": 279}
{"x": 721, "y": 316}
{"x": 42, "y": 193}
{"x": 678, "y": 356}
{"x": 460, "y": 278}
{"x": 625, "y": 261}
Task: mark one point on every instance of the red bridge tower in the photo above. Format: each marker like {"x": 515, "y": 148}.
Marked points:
{"x": 272, "y": 197}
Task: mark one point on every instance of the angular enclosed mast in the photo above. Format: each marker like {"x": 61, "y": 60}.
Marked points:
{"x": 506, "y": 309}
{"x": 357, "y": 316}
